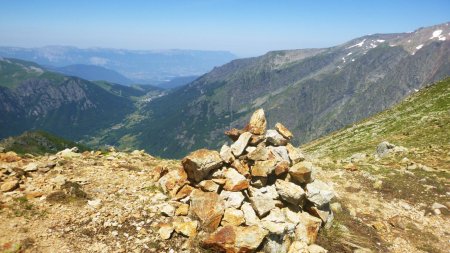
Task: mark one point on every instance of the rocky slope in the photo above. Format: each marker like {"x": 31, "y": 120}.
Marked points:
{"x": 33, "y": 98}
{"x": 258, "y": 195}
{"x": 314, "y": 91}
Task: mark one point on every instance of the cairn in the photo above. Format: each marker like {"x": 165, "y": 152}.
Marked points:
{"x": 259, "y": 193}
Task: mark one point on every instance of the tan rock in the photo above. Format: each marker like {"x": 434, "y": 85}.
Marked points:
{"x": 173, "y": 181}
{"x": 167, "y": 210}
{"x": 268, "y": 191}
{"x": 249, "y": 215}
{"x": 295, "y": 154}
{"x": 31, "y": 167}
{"x": 232, "y": 199}
{"x": 226, "y": 154}
{"x": 302, "y": 172}
{"x": 209, "y": 186}
{"x": 280, "y": 154}
{"x": 314, "y": 248}
{"x": 165, "y": 231}
{"x": 283, "y": 131}
{"x": 261, "y": 153}
{"x": 232, "y": 217}
{"x": 241, "y": 167}
{"x": 199, "y": 163}
{"x": 281, "y": 168}
{"x": 257, "y": 123}
{"x": 308, "y": 228}
{"x": 319, "y": 193}
{"x": 235, "y": 181}
{"x": 235, "y": 239}
{"x": 273, "y": 137}
{"x": 157, "y": 173}
{"x": 184, "y": 192}
{"x": 187, "y": 228}
{"x": 298, "y": 247}
{"x": 290, "y": 192}
{"x": 262, "y": 205}
{"x": 10, "y": 185}
{"x": 182, "y": 210}
{"x": 256, "y": 140}
{"x": 239, "y": 146}
{"x": 263, "y": 168}
{"x": 208, "y": 208}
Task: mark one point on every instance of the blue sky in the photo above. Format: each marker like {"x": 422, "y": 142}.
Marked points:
{"x": 245, "y": 28}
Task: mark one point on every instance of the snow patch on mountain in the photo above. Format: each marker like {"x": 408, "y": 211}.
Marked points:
{"x": 357, "y": 44}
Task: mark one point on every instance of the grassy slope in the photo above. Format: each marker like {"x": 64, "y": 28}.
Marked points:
{"x": 38, "y": 143}
{"x": 421, "y": 122}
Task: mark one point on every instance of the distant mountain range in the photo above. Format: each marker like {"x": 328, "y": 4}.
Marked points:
{"x": 140, "y": 66}
{"x": 313, "y": 91}
{"x": 92, "y": 73}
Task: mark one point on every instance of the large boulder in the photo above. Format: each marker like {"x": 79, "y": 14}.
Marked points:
{"x": 208, "y": 208}
{"x": 199, "y": 163}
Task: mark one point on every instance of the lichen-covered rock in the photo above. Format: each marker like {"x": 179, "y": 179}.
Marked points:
{"x": 308, "y": 228}
{"x": 260, "y": 153}
{"x": 209, "y": 186}
{"x": 199, "y": 163}
{"x": 208, "y": 208}
{"x": 226, "y": 154}
{"x": 249, "y": 215}
{"x": 263, "y": 168}
{"x": 187, "y": 228}
{"x": 232, "y": 199}
{"x": 295, "y": 154}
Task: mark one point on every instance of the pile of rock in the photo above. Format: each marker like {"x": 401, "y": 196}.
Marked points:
{"x": 257, "y": 194}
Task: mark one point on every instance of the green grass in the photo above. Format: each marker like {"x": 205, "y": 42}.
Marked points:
{"x": 421, "y": 122}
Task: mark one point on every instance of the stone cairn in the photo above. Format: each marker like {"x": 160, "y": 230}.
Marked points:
{"x": 259, "y": 194}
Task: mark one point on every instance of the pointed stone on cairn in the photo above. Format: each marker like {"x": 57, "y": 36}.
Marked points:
{"x": 258, "y": 187}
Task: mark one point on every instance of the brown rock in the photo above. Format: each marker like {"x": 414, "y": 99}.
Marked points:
{"x": 209, "y": 186}
{"x": 295, "y": 154}
{"x": 173, "y": 181}
{"x": 9, "y": 157}
{"x": 233, "y": 133}
{"x": 235, "y": 239}
{"x": 199, "y": 163}
{"x": 157, "y": 173}
{"x": 208, "y": 208}
{"x": 182, "y": 210}
{"x": 263, "y": 168}
{"x": 235, "y": 181}
{"x": 241, "y": 167}
{"x": 281, "y": 168}
{"x": 350, "y": 167}
{"x": 283, "y": 131}
{"x": 257, "y": 123}
{"x": 256, "y": 140}
{"x": 10, "y": 185}
{"x": 239, "y": 146}
{"x": 187, "y": 228}
{"x": 302, "y": 172}
{"x": 184, "y": 192}
{"x": 233, "y": 217}
{"x": 261, "y": 153}
{"x": 308, "y": 228}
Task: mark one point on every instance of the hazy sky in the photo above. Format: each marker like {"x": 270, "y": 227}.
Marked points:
{"x": 244, "y": 27}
